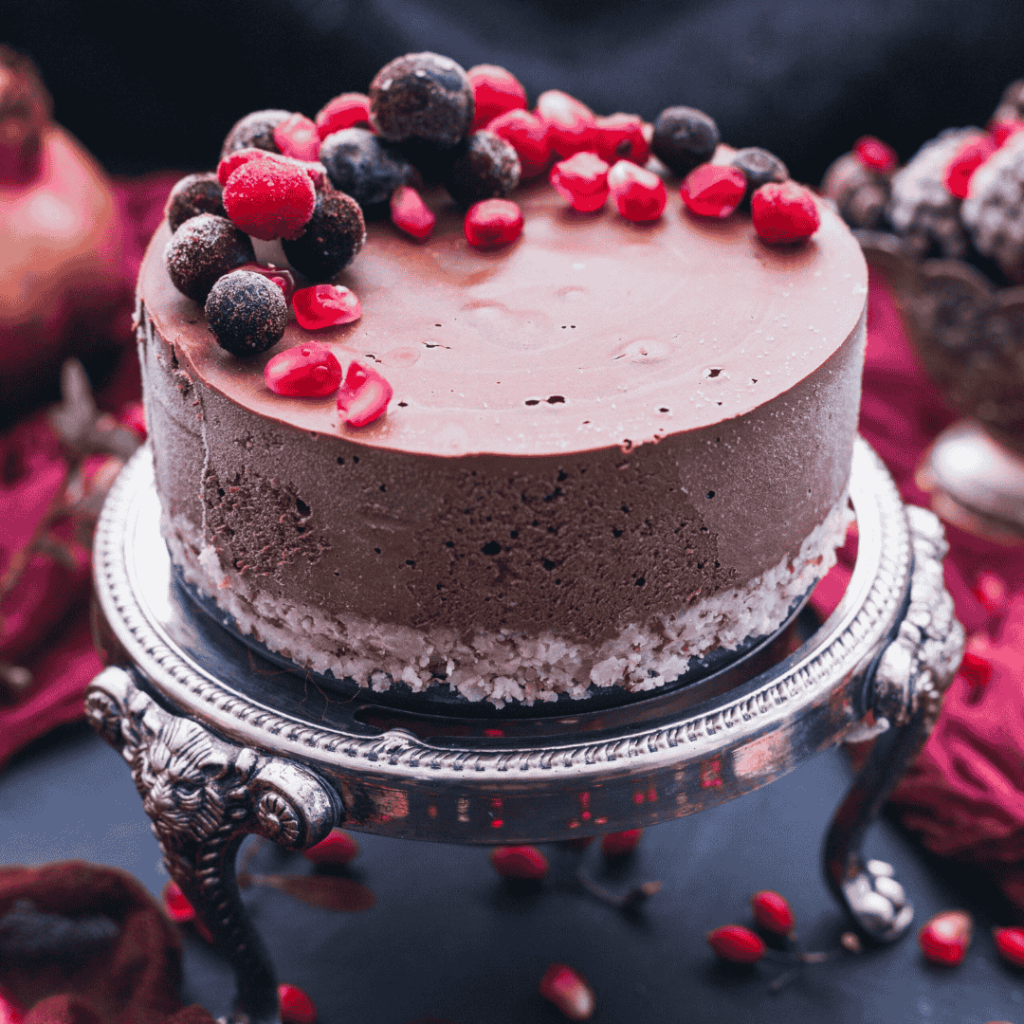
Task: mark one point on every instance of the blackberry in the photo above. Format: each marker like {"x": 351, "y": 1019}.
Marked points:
{"x": 362, "y": 166}
{"x": 334, "y": 235}
{"x": 203, "y": 249}
{"x": 760, "y": 168}
{"x": 487, "y": 167}
{"x": 859, "y": 193}
{"x": 246, "y": 312}
{"x": 255, "y": 130}
{"x": 921, "y": 208}
{"x": 684, "y": 138}
{"x": 993, "y": 211}
{"x": 193, "y": 195}
{"x": 422, "y": 96}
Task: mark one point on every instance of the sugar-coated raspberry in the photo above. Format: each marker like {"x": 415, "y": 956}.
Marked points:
{"x": 333, "y": 236}
{"x": 326, "y": 305}
{"x": 493, "y": 223}
{"x": 281, "y": 276}
{"x": 411, "y": 214}
{"x": 203, "y": 249}
{"x": 621, "y": 137}
{"x": 684, "y": 138}
{"x": 487, "y": 167}
{"x": 582, "y": 180}
{"x": 363, "y": 166}
{"x": 529, "y": 137}
{"x": 572, "y": 127}
{"x": 875, "y": 154}
{"x": 971, "y": 155}
{"x": 230, "y": 163}
{"x": 270, "y": 199}
{"x": 297, "y": 136}
{"x": 784, "y": 212}
{"x": 364, "y": 395}
{"x": 192, "y": 195}
{"x": 712, "y": 190}
{"x": 638, "y": 194}
{"x": 345, "y": 111}
{"x": 309, "y": 370}
{"x": 246, "y": 312}
{"x": 495, "y": 91}
{"x": 759, "y": 167}
{"x": 422, "y": 96}
{"x": 255, "y": 130}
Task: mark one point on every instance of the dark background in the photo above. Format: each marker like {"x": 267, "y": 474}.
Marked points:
{"x": 152, "y": 84}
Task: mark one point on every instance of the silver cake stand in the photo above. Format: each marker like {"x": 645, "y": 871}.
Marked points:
{"x": 223, "y": 742}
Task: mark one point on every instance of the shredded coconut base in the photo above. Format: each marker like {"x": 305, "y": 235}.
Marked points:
{"x": 507, "y": 666}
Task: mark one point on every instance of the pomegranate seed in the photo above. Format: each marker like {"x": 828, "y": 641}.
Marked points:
{"x": 492, "y": 223}
{"x": 969, "y": 158}
{"x": 10, "y": 1011}
{"x": 335, "y": 851}
{"x": 568, "y": 991}
{"x": 410, "y": 214}
{"x": 621, "y": 137}
{"x": 571, "y": 124}
{"x": 298, "y": 137}
{"x": 582, "y": 180}
{"x": 310, "y": 370}
{"x": 270, "y": 199}
{"x": 713, "y": 191}
{"x": 344, "y": 111}
{"x": 281, "y": 276}
{"x": 638, "y": 194}
{"x": 784, "y": 213}
{"x": 990, "y": 591}
{"x": 295, "y": 1006}
{"x": 495, "y": 91}
{"x": 528, "y": 136}
{"x": 363, "y": 396}
{"x": 1003, "y": 131}
{"x": 133, "y": 416}
{"x": 618, "y": 844}
{"x": 976, "y": 669}
{"x": 874, "y": 154}
{"x": 944, "y": 939}
{"x": 325, "y": 305}
{"x": 177, "y": 907}
{"x": 525, "y": 863}
{"x": 772, "y": 912}
{"x": 736, "y": 944}
{"x": 1010, "y": 944}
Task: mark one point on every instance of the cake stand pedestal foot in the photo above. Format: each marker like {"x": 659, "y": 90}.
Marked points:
{"x": 904, "y": 687}
{"x": 204, "y": 795}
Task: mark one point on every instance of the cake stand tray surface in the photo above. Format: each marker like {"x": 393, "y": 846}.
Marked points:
{"x": 222, "y": 742}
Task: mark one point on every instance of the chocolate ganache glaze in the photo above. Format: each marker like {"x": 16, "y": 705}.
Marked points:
{"x": 611, "y": 447}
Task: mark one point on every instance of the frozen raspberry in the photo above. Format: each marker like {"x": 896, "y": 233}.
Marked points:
{"x": 296, "y": 136}
{"x": 875, "y": 154}
{"x": 203, "y": 249}
{"x": 969, "y": 157}
{"x": 638, "y": 194}
{"x": 487, "y": 167}
{"x": 315, "y": 170}
{"x": 410, "y": 214}
{"x": 333, "y": 237}
{"x": 194, "y": 194}
{"x": 246, "y": 312}
{"x": 493, "y": 223}
{"x": 422, "y": 96}
{"x": 345, "y": 111}
{"x": 495, "y": 91}
{"x": 255, "y": 130}
{"x": 712, "y": 190}
{"x": 572, "y": 127}
{"x": 784, "y": 212}
{"x": 993, "y": 212}
{"x": 621, "y": 137}
{"x": 325, "y": 305}
{"x": 363, "y": 166}
{"x": 582, "y": 180}
{"x": 684, "y": 138}
{"x": 310, "y": 370}
{"x": 281, "y": 276}
{"x": 270, "y": 199}
{"x": 364, "y": 395}
{"x": 528, "y": 136}
{"x": 759, "y": 167}
{"x": 860, "y": 194}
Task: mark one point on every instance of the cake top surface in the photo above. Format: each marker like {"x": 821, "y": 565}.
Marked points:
{"x": 589, "y": 332}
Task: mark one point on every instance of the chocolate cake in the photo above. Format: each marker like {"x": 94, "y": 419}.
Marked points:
{"x": 611, "y": 448}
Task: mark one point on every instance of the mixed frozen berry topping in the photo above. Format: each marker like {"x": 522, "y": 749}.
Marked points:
{"x": 204, "y": 249}
{"x": 247, "y": 312}
{"x": 270, "y": 199}
{"x": 333, "y": 236}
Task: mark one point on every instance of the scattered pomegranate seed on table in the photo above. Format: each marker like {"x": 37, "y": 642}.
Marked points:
{"x": 622, "y": 137}
{"x": 495, "y": 91}
{"x": 874, "y": 154}
{"x": 638, "y": 194}
{"x": 411, "y": 214}
{"x": 309, "y": 370}
{"x": 1010, "y": 944}
{"x": 971, "y": 155}
{"x": 344, "y": 111}
{"x": 944, "y": 939}
{"x": 325, "y": 305}
{"x": 297, "y": 136}
{"x": 568, "y": 991}
{"x": 337, "y": 850}
{"x": 736, "y": 944}
{"x": 619, "y": 844}
{"x": 295, "y": 1006}
{"x": 270, "y": 199}
{"x": 572, "y": 126}
{"x": 712, "y": 190}
{"x": 582, "y": 180}
{"x": 493, "y": 223}
{"x": 528, "y": 135}
{"x": 772, "y": 912}
{"x": 521, "y": 863}
{"x": 363, "y": 396}
{"x": 784, "y": 213}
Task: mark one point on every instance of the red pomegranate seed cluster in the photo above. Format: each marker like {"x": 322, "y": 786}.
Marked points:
{"x": 528, "y": 135}
{"x": 638, "y": 194}
{"x": 572, "y": 126}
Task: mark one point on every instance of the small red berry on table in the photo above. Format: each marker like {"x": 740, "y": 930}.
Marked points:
{"x": 638, "y": 194}
{"x": 784, "y": 213}
{"x": 711, "y": 190}
{"x": 582, "y": 180}
{"x": 736, "y": 944}
{"x": 411, "y": 214}
{"x": 295, "y": 1006}
{"x": 772, "y": 912}
{"x": 493, "y": 223}
{"x": 945, "y": 937}
{"x": 521, "y": 863}
{"x": 568, "y": 991}
{"x": 495, "y": 91}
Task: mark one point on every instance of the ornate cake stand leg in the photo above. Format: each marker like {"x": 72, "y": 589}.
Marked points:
{"x": 906, "y": 690}
{"x": 204, "y": 795}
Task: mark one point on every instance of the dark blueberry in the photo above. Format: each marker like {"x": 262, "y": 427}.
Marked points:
{"x": 684, "y": 138}
{"x": 247, "y": 313}
{"x": 333, "y": 236}
{"x": 203, "y": 249}
{"x": 193, "y": 195}
{"x": 362, "y": 166}
{"x": 255, "y": 130}
{"x": 422, "y": 96}
{"x": 487, "y": 167}
{"x": 760, "y": 167}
